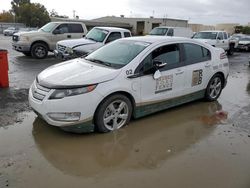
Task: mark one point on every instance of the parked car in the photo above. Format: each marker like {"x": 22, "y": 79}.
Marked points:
{"x": 133, "y": 76}
{"x": 38, "y": 43}
{"x": 244, "y": 43}
{"x": 10, "y": 31}
{"x": 172, "y": 31}
{"x": 96, "y": 38}
{"x": 217, "y": 39}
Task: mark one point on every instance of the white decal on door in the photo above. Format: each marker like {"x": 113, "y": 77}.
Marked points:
{"x": 197, "y": 77}
{"x": 164, "y": 83}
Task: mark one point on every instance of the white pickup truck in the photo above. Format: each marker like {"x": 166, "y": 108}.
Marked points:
{"x": 96, "y": 38}
{"x": 217, "y": 39}
{"x": 38, "y": 43}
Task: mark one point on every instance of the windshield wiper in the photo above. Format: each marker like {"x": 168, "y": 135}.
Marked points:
{"x": 100, "y": 62}
{"x": 91, "y": 39}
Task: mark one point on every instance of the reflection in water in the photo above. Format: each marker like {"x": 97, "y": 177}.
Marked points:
{"x": 144, "y": 144}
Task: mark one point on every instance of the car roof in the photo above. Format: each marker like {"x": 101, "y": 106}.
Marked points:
{"x": 159, "y": 39}
{"x": 113, "y": 29}
{"x": 212, "y": 31}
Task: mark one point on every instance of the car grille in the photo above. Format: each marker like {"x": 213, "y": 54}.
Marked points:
{"x": 15, "y": 38}
{"x": 39, "y": 92}
{"x": 78, "y": 53}
{"x": 61, "y": 48}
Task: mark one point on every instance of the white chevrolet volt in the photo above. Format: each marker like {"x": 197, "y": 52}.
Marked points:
{"x": 130, "y": 77}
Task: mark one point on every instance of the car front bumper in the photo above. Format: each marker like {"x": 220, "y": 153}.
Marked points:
{"x": 84, "y": 104}
{"x": 20, "y": 47}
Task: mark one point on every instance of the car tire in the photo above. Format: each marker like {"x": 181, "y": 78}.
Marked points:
{"x": 27, "y": 53}
{"x": 214, "y": 88}
{"x": 39, "y": 50}
{"x": 231, "y": 50}
{"x": 113, "y": 113}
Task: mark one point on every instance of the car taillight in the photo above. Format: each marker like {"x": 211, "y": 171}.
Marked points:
{"x": 223, "y": 55}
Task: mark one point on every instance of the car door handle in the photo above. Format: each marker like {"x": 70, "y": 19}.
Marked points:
{"x": 179, "y": 72}
{"x": 68, "y": 36}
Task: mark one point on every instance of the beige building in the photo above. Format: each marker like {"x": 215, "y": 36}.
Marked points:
{"x": 142, "y": 26}
{"x": 228, "y": 27}
{"x": 200, "y": 27}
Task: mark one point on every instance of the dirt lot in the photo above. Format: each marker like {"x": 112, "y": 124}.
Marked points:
{"x": 187, "y": 146}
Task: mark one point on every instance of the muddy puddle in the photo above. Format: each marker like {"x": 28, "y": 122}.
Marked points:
{"x": 200, "y": 144}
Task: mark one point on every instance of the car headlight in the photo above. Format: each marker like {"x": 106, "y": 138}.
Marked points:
{"x": 24, "y": 38}
{"x": 69, "y": 50}
{"x": 61, "y": 93}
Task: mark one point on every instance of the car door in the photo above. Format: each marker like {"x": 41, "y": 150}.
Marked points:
{"x": 198, "y": 67}
{"x": 220, "y": 41}
{"x": 61, "y": 32}
{"x": 171, "y": 82}
{"x": 75, "y": 31}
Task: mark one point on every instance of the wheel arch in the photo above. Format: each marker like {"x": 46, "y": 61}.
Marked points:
{"x": 39, "y": 41}
{"x": 125, "y": 93}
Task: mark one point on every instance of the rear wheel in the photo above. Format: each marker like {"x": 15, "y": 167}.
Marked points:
{"x": 113, "y": 113}
{"x": 214, "y": 88}
{"x": 39, "y": 50}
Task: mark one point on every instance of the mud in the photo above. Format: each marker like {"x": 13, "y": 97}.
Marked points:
{"x": 199, "y": 144}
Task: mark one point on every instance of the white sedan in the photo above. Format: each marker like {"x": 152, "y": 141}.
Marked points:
{"x": 129, "y": 77}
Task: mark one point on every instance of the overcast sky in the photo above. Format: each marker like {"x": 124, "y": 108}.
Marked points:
{"x": 196, "y": 11}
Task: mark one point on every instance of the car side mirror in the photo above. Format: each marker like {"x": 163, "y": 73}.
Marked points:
{"x": 157, "y": 75}
{"x": 158, "y": 64}
{"x": 57, "y": 31}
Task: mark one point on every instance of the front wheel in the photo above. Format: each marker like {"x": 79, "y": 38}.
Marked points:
{"x": 39, "y": 50}
{"x": 214, "y": 88}
{"x": 113, "y": 113}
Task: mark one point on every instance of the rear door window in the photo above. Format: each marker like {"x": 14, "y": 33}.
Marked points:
{"x": 170, "y": 32}
{"x": 195, "y": 53}
{"x": 127, "y": 34}
{"x": 113, "y": 36}
{"x": 225, "y": 35}
{"x": 75, "y": 28}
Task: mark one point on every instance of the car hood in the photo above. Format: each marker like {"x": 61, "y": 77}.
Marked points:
{"x": 29, "y": 33}
{"x": 75, "y": 73}
{"x": 76, "y": 42}
{"x": 208, "y": 41}
{"x": 88, "y": 47}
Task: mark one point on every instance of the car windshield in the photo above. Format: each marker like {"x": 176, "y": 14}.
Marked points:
{"x": 118, "y": 53}
{"x": 48, "y": 27}
{"x": 205, "y": 35}
{"x": 97, "y": 34}
{"x": 159, "y": 31}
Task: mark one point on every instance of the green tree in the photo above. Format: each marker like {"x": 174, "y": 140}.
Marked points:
{"x": 6, "y": 16}
{"x": 53, "y": 13}
{"x": 31, "y": 14}
{"x": 246, "y": 30}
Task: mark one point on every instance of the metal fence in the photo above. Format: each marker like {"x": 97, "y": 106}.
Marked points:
{"x": 4, "y": 25}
